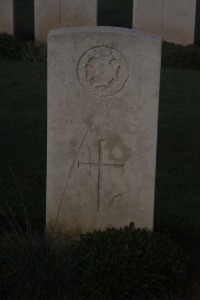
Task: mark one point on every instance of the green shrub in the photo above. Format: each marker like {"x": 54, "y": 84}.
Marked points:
{"x": 10, "y": 47}
{"x": 180, "y": 57}
{"x": 14, "y": 49}
{"x": 35, "y": 52}
{"x": 173, "y": 56}
{"x": 113, "y": 264}
{"x": 36, "y": 267}
{"x": 130, "y": 264}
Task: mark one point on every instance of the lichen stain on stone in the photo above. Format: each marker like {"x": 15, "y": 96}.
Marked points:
{"x": 117, "y": 151}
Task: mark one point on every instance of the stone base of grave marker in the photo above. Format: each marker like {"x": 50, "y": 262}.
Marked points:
{"x": 103, "y": 92}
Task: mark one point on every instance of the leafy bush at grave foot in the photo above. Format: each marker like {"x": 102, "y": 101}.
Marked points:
{"x": 14, "y": 49}
{"x": 180, "y": 57}
{"x": 130, "y": 264}
{"x": 36, "y": 266}
{"x": 113, "y": 264}
{"x": 35, "y": 52}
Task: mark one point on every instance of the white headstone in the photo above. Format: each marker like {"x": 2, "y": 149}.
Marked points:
{"x": 174, "y": 20}
{"x": 51, "y": 14}
{"x": 6, "y": 16}
{"x": 103, "y": 93}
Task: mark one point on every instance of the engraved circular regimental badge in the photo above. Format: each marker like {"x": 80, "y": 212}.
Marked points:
{"x": 102, "y": 71}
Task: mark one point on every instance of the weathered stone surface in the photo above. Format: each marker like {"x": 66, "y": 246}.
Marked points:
{"x": 6, "y": 16}
{"x": 174, "y": 20}
{"x": 51, "y": 14}
{"x": 103, "y": 91}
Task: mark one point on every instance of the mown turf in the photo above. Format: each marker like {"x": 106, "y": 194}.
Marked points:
{"x": 23, "y": 136}
{"x": 178, "y": 160}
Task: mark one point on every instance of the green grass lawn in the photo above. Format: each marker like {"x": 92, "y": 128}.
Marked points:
{"x": 177, "y": 204}
{"x": 23, "y": 136}
{"x": 23, "y": 146}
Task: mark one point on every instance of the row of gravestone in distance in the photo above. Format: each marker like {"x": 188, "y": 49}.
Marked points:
{"x": 174, "y": 20}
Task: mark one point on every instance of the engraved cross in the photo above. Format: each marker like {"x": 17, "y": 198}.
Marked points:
{"x": 99, "y": 165}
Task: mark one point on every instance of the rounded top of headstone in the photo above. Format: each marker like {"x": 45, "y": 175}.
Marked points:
{"x": 105, "y": 29}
